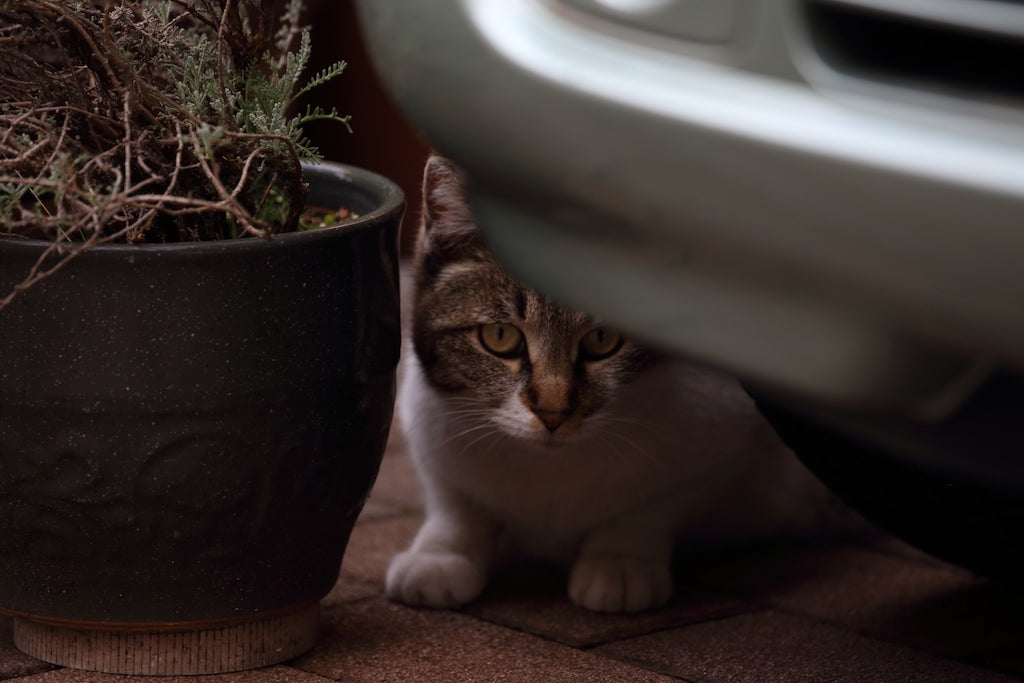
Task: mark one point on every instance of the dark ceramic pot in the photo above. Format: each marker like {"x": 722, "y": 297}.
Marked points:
{"x": 187, "y": 434}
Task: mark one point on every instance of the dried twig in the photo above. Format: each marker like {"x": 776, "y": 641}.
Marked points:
{"x": 111, "y": 130}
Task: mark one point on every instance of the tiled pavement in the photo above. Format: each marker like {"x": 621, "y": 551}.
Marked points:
{"x": 835, "y": 613}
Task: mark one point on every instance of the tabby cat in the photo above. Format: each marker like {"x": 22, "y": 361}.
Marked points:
{"x": 537, "y": 431}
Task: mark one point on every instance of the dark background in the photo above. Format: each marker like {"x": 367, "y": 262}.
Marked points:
{"x": 380, "y": 140}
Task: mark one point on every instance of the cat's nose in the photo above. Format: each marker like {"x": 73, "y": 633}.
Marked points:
{"x": 552, "y": 419}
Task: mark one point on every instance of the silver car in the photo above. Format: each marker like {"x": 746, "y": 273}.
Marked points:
{"x": 824, "y": 197}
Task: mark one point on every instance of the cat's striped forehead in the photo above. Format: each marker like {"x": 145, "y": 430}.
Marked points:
{"x": 475, "y": 291}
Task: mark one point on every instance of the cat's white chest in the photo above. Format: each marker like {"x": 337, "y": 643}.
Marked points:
{"x": 549, "y": 497}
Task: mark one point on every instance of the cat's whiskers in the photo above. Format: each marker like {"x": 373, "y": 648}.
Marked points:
{"x": 624, "y": 424}
{"x": 619, "y": 446}
{"x": 488, "y": 432}
{"x": 460, "y": 434}
{"x": 470, "y": 419}
{"x": 491, "y": 444}
{"x": 424, "y": 419}
{"x": 622, "y": 445}
{"x": 625, "y": 418}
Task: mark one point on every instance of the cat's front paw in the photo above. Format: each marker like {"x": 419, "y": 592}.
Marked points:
{"x": 434, "y": 579}
{"x": 619, "y": 584}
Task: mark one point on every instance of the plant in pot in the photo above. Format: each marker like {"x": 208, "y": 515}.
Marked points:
{"x": 195, "y": 386}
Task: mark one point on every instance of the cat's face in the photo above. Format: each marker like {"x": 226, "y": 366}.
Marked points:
{"x": 530, "y": 368}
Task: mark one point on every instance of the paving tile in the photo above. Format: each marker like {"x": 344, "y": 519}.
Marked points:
{"x": 349, "y": 589}
{"x": 397, "y": 490}
{"x": 533, "y": 599}
{"x": 372, "y": 545}
{"x": 959, "y": 622}
{"x": 768, "y": 646}
{"x": 274, "y": 674}
{"x": 938, "y": 608}
{"x": 379, "y": 641}
{"x": 13, "y": 663}
{"x": 367, "y": 555}
{"x": 1008, "y": 659}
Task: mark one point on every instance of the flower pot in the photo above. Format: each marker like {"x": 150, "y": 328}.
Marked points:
{"x": 188, "y": 433}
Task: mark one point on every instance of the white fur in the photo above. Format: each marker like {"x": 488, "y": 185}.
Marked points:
{"x": 679, "y": 457}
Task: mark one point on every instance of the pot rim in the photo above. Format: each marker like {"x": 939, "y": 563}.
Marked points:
{"x": 386, "y": 192}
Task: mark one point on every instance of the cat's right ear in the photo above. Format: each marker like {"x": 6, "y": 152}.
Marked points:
{"x": 448, "y": 232}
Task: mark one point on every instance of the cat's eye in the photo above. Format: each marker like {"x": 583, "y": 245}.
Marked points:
{"x": 600, "y": 343}
{"x": 502, "y": 339}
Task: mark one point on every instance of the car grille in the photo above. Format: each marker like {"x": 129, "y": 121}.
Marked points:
{"x": 968, "y": 51}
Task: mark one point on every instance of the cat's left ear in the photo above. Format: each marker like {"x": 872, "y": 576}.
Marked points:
{"x": 444, "y": 198}
{"x": 448, "y": 232}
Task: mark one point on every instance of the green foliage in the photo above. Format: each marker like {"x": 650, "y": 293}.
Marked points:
{"x": 261, "y": 97}
{"x": 263, "y": 105}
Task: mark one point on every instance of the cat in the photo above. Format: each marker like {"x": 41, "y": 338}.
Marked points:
{"x": 541, "y": 432}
